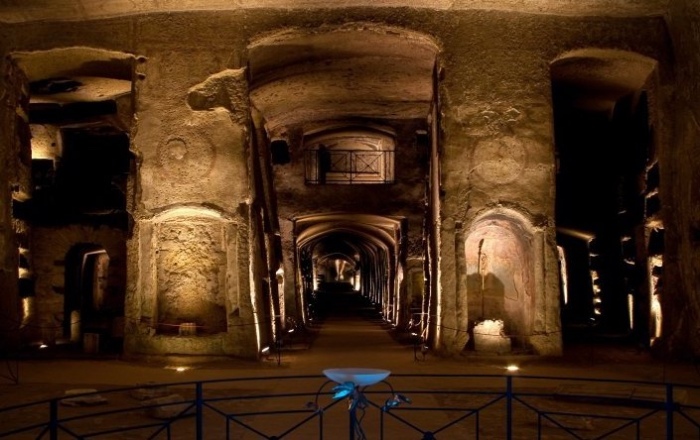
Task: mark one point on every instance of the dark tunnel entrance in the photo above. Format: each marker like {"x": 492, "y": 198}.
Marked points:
{"x": 607, "y": 191}
{"x": 349, "y": 266}
{"x": 343, "y": 265}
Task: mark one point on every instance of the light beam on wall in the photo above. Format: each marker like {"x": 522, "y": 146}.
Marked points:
{"x": 597, "y": 300}
{"x": 563, "y": 270}
{"x": 654, "y": 268}
{"x": 27, "y": 307}
{"x": 630, "y": 309}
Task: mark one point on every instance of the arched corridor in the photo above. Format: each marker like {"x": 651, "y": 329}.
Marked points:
{"x": 340, "y": 252}
{"x": 351, "y": 332}
{"x": 239, "y": 172}
{"x": 609, "y": 226}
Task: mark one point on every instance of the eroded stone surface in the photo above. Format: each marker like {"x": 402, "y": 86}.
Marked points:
{"x": 489, "y": 65}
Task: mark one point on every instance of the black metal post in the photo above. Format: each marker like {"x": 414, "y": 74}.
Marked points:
{"x": 353, "y": 420}
{"x": 509, "y": 407}
{"x": 669, "y": 411}
{"x": 199, "y": 404}
{"x": 53, "y": 420}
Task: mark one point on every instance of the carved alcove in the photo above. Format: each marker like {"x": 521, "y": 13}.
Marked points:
{"x": 500, "y": 275}
{"x": 189, "y": 301}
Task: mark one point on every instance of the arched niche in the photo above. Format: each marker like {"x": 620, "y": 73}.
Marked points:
{"x": 190, "y": 262}
{"x": 500, "y": 273}
{"x": 189, "y": 296}
{"x": 349, "y": 155}
{"x": 89, "y": 304}
{"x": 608, "y": 147}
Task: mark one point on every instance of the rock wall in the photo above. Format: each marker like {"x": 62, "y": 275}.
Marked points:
{"x": 495, "y": 115}
{"x": 14, "y": 139}
{"x": 50, "y": 247}
{"x": 680, "y": 187}
{"x": 190, "y": 262}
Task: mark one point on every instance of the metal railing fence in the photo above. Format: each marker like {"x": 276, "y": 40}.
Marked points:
{"x": 432, "y": 406}
{"x": 344, "y": 166}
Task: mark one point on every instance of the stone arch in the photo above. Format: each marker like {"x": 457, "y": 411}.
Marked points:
{"x": 608, "y": 188}
{"x": 373, "y": 242}
{"x": 87, "y": 301}
{"x": 191, "y": 271}
{"x": 601, "y": 76}
{"x": 336, "y": 73}
{"x": 500, "y": 269}
{"x": 189, "y": 294}
{"x": 77, "y": 60}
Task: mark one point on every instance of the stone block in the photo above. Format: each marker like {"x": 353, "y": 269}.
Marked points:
{"x": 489, "y": 337}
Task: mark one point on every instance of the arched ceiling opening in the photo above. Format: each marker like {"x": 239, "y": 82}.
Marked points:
{"x": 69, "y": 61}
{"x": 605, "y": 144}
{"x": 341, "y": 239}
{"x": 338, "y": 246}
{"x": 595, "y": 79}
{"x": 353, "y": 72}
{"x": 78, "y": 85}
{"x": 344, "y": 250}
{"x": 18, "y": 11}
{"x": 79, "y": 112}
{"x": 357, "y": 239}
{"x": 596, "y": 93}
{"x": 380, "y": 230}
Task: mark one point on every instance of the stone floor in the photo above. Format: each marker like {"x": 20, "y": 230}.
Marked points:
{"x": 349, "y": 340}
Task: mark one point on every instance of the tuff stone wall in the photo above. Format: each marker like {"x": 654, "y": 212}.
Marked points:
{"x": 191, "y": 269}
{"x": 681, "y": 187}
{"x": 495, "y": 114}
{"x": 93, "y": 9}
{"x": 192, "y": 265}
{"x": 13, "y": 150}
{"x": 50, "y": 246}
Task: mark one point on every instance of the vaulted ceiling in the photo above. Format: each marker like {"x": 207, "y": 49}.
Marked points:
{"x": 13, "y": 11}
{"x": 355, "y": 72}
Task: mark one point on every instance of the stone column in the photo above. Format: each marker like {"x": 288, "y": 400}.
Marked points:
{"x": 191, "y": 249}
{"x": 9, "y": 300}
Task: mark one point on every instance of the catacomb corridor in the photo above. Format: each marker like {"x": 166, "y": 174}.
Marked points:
{"x": 493, "y": 176}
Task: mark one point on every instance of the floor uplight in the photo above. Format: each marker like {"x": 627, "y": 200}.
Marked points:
{"x": 178, "y": 368}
